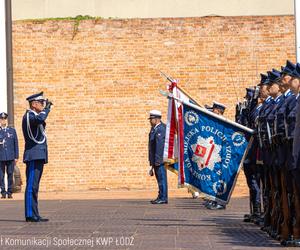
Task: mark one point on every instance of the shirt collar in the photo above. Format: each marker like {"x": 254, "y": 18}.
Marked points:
{"x": 277, "y": 99}
{"x": 287, "y": 93}
{"x": 259, "y": 106}
{"x": 33, "y": 111}
{"x": 297, "y": 96}
{"x": 156, "y": 125}
{"x": 269, "y": 98}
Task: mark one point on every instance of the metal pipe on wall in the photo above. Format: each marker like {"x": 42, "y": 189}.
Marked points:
{"x": 9, "y": 63}
{"x": 297, "y": 28}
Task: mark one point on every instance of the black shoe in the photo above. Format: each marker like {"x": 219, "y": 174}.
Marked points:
{"x": 32, "y": 219}
{"x": 247, "y": 218}
{"x": 3, "y": 196}
{"x": 217, "y": 207}
{"x": 9, "y": 196}
{"x": 211, "y": 204}
{"x": 160, "y": 202}
{"x": 43, "y": 219}
{"x": 36, "y": 219}
{"x": 153, "y": 201}
{"x": 208, "y": 203}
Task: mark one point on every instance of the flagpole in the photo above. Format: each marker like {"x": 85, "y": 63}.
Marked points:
{"x": 3, "y": 64}
{"x": 297, "y": 28}
{"x": 219, "y": 117}
{"x": 184, "y": 92}
{"x": 171, "y": 80}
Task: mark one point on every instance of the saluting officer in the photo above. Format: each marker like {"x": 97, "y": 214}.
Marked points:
{"x": 156, "y": 150}
{"x": 9, "y": 155}
{"x": 35, "y": 153}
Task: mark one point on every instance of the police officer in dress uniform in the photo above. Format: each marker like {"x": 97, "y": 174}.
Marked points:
{"x": 35, "y": 152}
{"x": 156, "y": 150}
{"x": 251, "y": 168}
{"x": 295, "y": 162}
{"x": 263, "y": 149}
{"x": 264, "y": 99}
{"x": 269, "y": 156}
{"x": 280, "y": 152}
{"x": 219, "y": 109}
{"x": 9, "y": 155}
{"x": 283, "y": 136}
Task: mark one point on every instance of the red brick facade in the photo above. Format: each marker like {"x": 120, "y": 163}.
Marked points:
{"x": 104, "y": 78}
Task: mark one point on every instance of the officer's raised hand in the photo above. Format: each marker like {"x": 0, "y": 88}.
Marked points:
{"x": 48, "y": 104}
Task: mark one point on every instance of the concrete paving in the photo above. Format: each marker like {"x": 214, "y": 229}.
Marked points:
{"x": 184, "y": 223}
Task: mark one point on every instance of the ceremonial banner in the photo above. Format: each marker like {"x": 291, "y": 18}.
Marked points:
{"x": 174, "y": 126}
{"x": 211, "y": 152}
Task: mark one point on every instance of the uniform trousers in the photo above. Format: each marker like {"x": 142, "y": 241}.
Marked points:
{"x": 161, "y": 177}
{"x": 253, "y": 177}
{"x": 34, "y": 171}
{"x": 9, "y": 167}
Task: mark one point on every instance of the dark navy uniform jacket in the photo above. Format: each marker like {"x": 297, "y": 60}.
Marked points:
{"x": 291, "y": 121}
{"x": 291, "y": 115}
{"x": 283, "y": 112}
{"x": 34, "y": 150}
{"x": 296, "y": 145}
{"x": 265, "y": 111}
{"x": 156, "y": 144}
{"x": 9, "y": 150}
{"x": 252, "y": 153}
{"x": 278, "y": 102}
{"x": 266, "y": 108}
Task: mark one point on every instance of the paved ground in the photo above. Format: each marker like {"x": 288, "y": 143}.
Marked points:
{"x": 130, "y": 224}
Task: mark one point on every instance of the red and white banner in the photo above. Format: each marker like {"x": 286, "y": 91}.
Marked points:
{"x": 174, "y": 130}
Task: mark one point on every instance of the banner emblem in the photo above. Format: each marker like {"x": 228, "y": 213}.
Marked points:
{"x": 206, "y": 153}
{"x": 238, "y": 139}
{"x": 191, "y": 118}
{"x": 220, "y": 187}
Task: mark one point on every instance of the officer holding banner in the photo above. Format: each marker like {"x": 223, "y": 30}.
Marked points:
{"x": 156, "y": 150}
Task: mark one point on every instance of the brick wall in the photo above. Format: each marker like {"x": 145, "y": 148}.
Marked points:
{"x": 105, "y": 78}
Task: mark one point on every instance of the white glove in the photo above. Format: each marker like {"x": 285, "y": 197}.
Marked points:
{"x": 195, "y": 195}
{"x": 150, "y": 171}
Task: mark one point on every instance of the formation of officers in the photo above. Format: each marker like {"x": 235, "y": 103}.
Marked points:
{"x": 272, "y": 165}
{"x": 35, "y": 153}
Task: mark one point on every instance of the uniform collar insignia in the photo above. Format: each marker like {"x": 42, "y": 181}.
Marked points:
{"x": 278, "y": 99}
{"x": 287, "y": 93}
{"x": 269, "y": 98}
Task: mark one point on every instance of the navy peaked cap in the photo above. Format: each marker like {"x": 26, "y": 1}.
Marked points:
{"x": 288, "y": 69}
{"x": 36, "y": 97}
{"x": 217, "y": 105}
{"x": 209, "y": 108}
{"x": 274, "y": 76}
{"x": 3, "y": 115}
{"x": 296, "y": 71}
{"x": 264, "y": 80}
